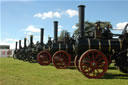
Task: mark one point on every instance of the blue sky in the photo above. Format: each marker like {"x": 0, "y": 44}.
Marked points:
{"x": 21, "y": 18}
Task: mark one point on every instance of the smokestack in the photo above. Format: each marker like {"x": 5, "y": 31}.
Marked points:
{"x": 19, "y": 44}
{"x": 55, "y": 31}
{"x": 41, "y": 35}
{"x": 25, "y": 42}
{"x": 81, "y": 20}
{"x": 16, "y": 46}
{"x": 31, "y": 40}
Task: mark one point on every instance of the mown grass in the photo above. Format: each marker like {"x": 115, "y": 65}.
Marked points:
{"x": 16, "y": 72}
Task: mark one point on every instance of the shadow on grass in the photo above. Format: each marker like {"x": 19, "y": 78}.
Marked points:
{"x": 115, "y": 76}
{"x": 72, "y": 68}
{"x": 112, "y": 68}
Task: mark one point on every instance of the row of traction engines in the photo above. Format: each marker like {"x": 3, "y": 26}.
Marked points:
{"x": 91, "y": 54}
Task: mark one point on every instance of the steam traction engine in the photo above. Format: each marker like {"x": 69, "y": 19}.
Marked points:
{"x": 62, "y": 51}
{"x": 31, "y": 51}
{"x": 43, "y": 54}
{"x": 93, "y": 54}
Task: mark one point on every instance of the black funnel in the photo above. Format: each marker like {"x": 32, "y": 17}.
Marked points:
{"x": 16, "y": 46}
{"x": 19, "y": 44}
{"x": 55, "y": 31}
{"x": 25, "y": 42}
{"x": 81, "y": 20}
{"x": 31, "y": 40}
{"x": 41, "y": 35}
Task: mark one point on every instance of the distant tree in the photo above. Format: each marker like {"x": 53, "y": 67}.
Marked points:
{"x": 63, "y": 34}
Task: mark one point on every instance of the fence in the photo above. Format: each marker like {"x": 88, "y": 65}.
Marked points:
{"x": 6, "y": 52}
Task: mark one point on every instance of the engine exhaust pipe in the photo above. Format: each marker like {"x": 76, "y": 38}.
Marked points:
{"x": 31, "y": 40}
{"x": 16, "y": 46}
{"x": 55, "y": 31}
{"x": 19, "y": 44}
{"x": 41, "y": 35}
{"x": 81, "y": 20}
{"x": 25, "y": 42}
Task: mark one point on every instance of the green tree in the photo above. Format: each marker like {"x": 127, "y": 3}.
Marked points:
{"x": 63, "y": 34}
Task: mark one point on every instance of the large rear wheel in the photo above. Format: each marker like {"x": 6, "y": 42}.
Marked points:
{"x": 44, "y": 58}
{"x": 93, "y": 64}
{"x": 61, "y": 59}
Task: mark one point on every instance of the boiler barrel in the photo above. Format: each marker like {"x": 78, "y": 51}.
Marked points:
{"x": 62, "y": 46}
{"x": 105, "y": 46}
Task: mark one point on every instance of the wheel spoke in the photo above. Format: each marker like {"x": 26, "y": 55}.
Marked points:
{"x": 93, "y": 56}
{"x": 99, "y": 60}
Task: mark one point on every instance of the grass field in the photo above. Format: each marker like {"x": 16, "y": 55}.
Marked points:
{"x": 15, "y": 72}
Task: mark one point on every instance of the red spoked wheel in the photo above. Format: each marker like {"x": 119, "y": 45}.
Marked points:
{"x": 44, "y": 58}
{"x": 93, "y": 64}
{"x": 61, "y": 59}
{"x": 76, "y": 62}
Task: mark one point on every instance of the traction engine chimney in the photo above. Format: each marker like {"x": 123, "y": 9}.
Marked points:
{"x": 41, "y": 35}
{"x": 55, "y": 31}
{"x": 19, "y": 44}
{"x": 81, "y": 20}
{"x": 25, "y": 42}
{"x": 16, "y": 46}
{"x": 31, "y": 40}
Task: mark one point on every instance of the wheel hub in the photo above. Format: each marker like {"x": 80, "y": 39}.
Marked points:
{"x": 93, "y": 64}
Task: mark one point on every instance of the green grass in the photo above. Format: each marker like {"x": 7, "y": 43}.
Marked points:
{"x": 16, "y": 72}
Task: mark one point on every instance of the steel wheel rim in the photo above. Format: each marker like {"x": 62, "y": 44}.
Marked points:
{"x": 44, "y": 58}
{"x": 61, "y": 59}
{"x": 95, "y": 66}
{"x": 76, "y": 63}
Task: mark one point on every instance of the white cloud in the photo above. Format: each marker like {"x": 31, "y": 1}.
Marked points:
{"x": 74, "y": 27}
{"x": 56, "y": 14}
{"x": 71, "y": 12}
{"x": 120, "y": 26}
{"x": 59, "y": 29}
{"x": 11, "y": 40}
{"x": 49, "y": 14}
{"x": 31, "y": 28}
